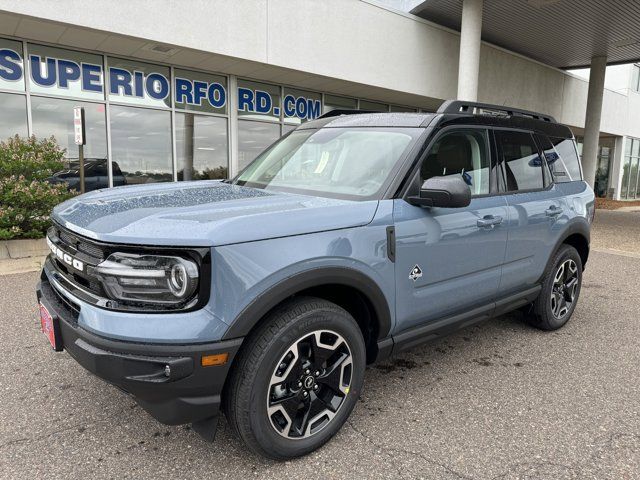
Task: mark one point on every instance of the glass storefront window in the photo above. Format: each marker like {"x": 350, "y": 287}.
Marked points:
{"x": 200, "y": 92}
{"x": 259, "y": 101}
{"x": 139, "y": 83}
{"x": 398, "y": 108}
{"x": 12, "y": 66}
{"x": 53, "y": 117}
{"x": 253, "y": 138}
{"x": 373, "y": 106}
{"x": 141, "y": 145}
{"x": 13, "y": 120}
{"x": 333, "y": 102}
{"x": 630, "y": 187}
{"x": 300, "y": 106}
{"x": 201, "y": 147}
{"x": 65, "y": 73}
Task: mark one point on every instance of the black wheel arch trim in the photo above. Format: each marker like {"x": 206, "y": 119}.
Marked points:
{"x": 299, "y": 282}
{"x": 579, "y": 227}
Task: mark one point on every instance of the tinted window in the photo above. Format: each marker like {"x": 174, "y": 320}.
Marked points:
{"x": 462, "y": 153}
{"x": 521, "y": 163}
{"x": 566, "y": 167}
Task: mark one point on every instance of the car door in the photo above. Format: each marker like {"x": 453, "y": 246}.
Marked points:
{"x": 449, "y": 260}
{"x": 536, "y": 213}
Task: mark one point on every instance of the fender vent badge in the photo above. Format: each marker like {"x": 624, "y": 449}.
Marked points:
{"x": 416, "y": 273}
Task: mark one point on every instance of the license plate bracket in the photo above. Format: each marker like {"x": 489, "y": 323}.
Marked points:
{"x": 50, "y": 326}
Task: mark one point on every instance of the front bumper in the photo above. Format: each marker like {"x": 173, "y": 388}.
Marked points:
{"x": 190, "y": 393}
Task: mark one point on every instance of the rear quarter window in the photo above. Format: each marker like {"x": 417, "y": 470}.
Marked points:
{"x": 562, "y": 158}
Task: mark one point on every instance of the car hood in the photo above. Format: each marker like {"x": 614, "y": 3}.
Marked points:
{"x": 205, "y": 213}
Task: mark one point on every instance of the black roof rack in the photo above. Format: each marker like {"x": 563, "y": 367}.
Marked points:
{"x": 338, "y": 111}
{"x": 471, "y": 108}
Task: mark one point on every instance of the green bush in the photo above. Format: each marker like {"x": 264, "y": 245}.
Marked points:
{"x": 26, "y": 199}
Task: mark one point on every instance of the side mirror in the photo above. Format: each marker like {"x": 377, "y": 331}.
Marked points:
{"x": 447, "y": 192}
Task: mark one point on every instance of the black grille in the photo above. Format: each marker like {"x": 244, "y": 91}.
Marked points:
{"x": 91, "y": 254}
{"x": 65, "y": 307}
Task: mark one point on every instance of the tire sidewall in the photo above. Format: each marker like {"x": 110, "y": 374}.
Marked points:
{"x": 544, "y": 305}
{"x": 271, "y": 441}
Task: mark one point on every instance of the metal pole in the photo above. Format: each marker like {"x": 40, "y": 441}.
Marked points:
{"x": 81, "y": 169}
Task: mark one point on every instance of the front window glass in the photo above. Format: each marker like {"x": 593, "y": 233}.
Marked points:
{"x": 463, "y": 153}
{"x": 139, "y": 83}
{"x": 201, "y": 147}
{"x": 253, "y": 138}
{"x": 333, "y": 102}
{"x": 13, "y": 120}
{"x": 11, "y": 65}
{"x": 200, "y": 92}
{"x": 53, "y": 117}
{"x": 521, "y": 161}
{"x": 259, "y": 101}
{"x": 140, "y": 145}
{"x": 373, "y": 106}
{"x": 333, "y": 162}
{"x": 65, "y": 73}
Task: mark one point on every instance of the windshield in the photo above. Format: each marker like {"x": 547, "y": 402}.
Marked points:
{"x": 351, "y": 163}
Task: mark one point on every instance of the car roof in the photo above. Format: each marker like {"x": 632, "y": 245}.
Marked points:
{"x": 385, "y": 119}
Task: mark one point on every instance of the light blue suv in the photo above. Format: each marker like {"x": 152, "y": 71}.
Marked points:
{"x": 352, "y": 238}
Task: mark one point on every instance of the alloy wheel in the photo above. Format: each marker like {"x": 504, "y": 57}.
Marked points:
{"x": 565, "y": 288}
{"x": 309, "y": 384}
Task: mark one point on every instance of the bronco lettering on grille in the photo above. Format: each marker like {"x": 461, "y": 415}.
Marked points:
{"x": 65, "y": 257}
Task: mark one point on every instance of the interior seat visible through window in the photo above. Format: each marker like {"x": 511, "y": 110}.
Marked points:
{"x": 460, "y": 153}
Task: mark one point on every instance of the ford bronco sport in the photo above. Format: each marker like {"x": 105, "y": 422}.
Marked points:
{"x": 352, "y": 238}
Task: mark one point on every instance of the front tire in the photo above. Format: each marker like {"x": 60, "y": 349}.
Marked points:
{"x": 560, "y": 291}
{"x": 297, "y": 378}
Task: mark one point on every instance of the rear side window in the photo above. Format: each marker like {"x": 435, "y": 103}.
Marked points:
{"x": 521, "y": 164}
{"x": 562, "y": 158}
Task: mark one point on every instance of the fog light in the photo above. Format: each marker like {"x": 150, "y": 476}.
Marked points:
{"x": 213, "y": 360}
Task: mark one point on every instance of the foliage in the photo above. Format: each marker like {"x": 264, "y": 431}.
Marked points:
{"x": 26, "y": 197}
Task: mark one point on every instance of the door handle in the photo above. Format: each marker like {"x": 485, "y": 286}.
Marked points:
{"x": 489, "y": 221}
{"x": 553, "y": 211}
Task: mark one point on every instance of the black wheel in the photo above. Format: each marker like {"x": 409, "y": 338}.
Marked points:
{"x": 560, "y": 291}
{"x": 297, "y": 379}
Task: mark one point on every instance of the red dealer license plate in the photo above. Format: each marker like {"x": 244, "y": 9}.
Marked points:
{"x": 50, "y": 328}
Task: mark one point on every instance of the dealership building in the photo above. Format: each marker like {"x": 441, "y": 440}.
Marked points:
{"x": 196, "y": 89}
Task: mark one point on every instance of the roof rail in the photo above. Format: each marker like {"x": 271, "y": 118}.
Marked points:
{"x": 338, "y": 111}
{"x": 474, "y": 108}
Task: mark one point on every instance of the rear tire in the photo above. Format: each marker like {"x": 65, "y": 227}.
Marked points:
{"x": 560, "y": 291}
{"x": 297, "y": 378}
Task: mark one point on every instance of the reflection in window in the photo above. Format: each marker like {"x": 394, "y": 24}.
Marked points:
{"x": 333, "y": 102}
{"x": 141, "y": 144}
{"x": 54, "y": 117}
{"x": 373, "y": 106}
{"x": 201, "y": 147}
{"x": 522, "y": 163}
{"x": 13, "y": 120}
{"x": 461, "y": 153}
{"x": 398, "y": 108}
{"x": 253, "y": 138}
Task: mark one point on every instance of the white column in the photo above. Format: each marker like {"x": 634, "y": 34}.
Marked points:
{"x": 592, "y": 118}
{"x": 469, "y": 63}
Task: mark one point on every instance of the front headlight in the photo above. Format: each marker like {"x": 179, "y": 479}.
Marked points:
{"x": 147, "y": 280}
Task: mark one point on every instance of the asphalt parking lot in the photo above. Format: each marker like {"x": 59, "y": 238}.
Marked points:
{"x": 499, "y": 400}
